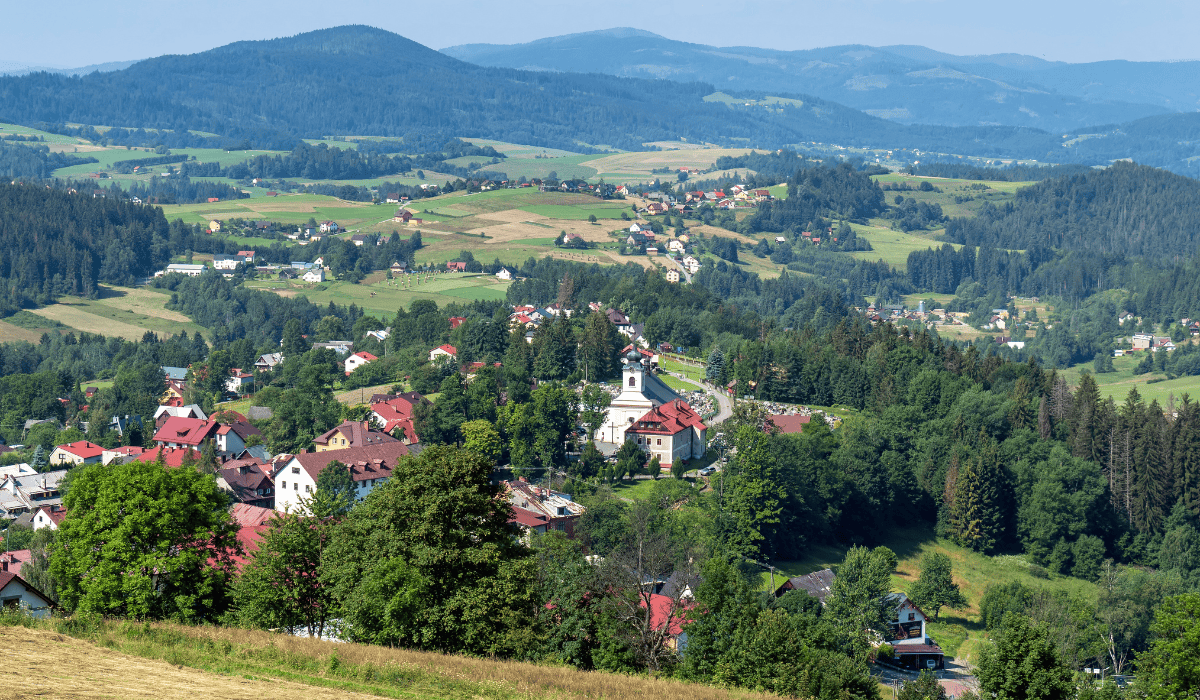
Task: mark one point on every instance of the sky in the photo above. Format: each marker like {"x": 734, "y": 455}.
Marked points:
{"x": 76, "y": 33}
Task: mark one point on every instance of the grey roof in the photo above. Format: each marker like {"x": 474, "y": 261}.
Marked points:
{"x": 177, "y": 373}
{"x": 35, "y": 421}
{"x": 259, "y": 413}
{"x": 655, "y": 390}
{"x": 816, "y": 584}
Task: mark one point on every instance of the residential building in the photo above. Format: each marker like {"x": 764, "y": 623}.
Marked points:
{"x": 26, "y": 493}
{"x": 912, "y": 648}
{"x": 504, "y": 274}
{"x": 379, "y": 335}
{"x": 341, "y": 347}
{"x": 121, "y": 455}
{"x": 641, "y": 391}
{"x": 16, "y": 592}
{"x": 673, "y": 276}
{"x": 14, "y": 559}
{"x": 538, "y": 509}
{"x": 266, "y": 363}
{"x": 186, "y": 432}
{"x": 170, "y": 456}
{"x": 247, "y": 480}
{"x": 369, "y": 466}
{"x": 232, "y": 438}
{"x": 351, "y": 434}
{"x": 75, "y": 453}
{"x": 443, "y": 353}
{"x": 314, "y": 275}
{"x": 357, "y": 360}
{"x": 1142, "y": 341}
{"x": 395, "y": 412}
{"x": 189, "y": 411}
{"x": 817, "y": 584}
{"x": 48, "y": 516}
{"x": 182, "y": 269}
{"x": 329, "y": 227}
{"x": 175, "y": 374}
{"x": 691, "y": 264}
{"x": 239, "y": 382}
{"x": 456, "y": 266}
{"x": 671, "y": 431}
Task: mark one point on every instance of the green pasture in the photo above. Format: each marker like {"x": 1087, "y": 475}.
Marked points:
{"x": 1117, "y": 384}
{"x": 515, "y": 150}
{"x": 385, "y": 296}
{"x": 10, "y": 129}
{"x": 565, "y": 167}
{"x": 996, "y": 192}
{"x": 891, "y": 246}
{"x": 127, "y": 312}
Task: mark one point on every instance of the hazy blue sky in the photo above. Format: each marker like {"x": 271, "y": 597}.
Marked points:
{"x": 74, "y": 33}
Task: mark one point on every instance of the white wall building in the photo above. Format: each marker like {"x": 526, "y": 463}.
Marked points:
{"x": 641, "y": 391}
{"x": 370, "y": 467}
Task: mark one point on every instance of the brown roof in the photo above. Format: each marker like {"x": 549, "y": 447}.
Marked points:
{"x": 246, "y": 515}
{"x": 358, "y": 434}
{"x": 668, "y": 419}
{"x": 247, "y": 479}
{"x": 789, "y": 424}
{"x": 370, "y": 462}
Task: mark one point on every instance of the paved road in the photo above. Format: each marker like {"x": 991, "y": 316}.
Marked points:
{"x": 724, "y": 403}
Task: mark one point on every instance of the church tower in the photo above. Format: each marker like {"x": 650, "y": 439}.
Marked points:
{"x": 633, "y": 376}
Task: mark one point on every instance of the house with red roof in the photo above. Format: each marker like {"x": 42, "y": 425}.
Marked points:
{"x": 81, "y": 452}
{"x": 171, "y": 456}
{"x": 357, "y": 360}
{"x": 177, "y": 431}
{"x": 121, "y": 455}
{"x": 370, "y": 466}
{"x": 456, "y": 321}
{"x": 443, "y": 351}
{"x": 538, "y": 509}
{"x": 48, "y": 516}
{"x": 397, "y": 414}
{"x": 14, "y": 560}
{"x": 456, "y": 266}
{"x": 239, "y": 382}
{"x": 670, "y": 431}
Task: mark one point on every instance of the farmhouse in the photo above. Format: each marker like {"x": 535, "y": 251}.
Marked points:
{"x": 266, "y": 363}
{"x": 314, "y": 276}
{"x": 912, "y": 647}
{"x": 16, "y": 592}
{"x": 817, "y": 584}
{"x": 369, "y": 466}
{"x": 455, "y": 266}
{"x": 504, "y": 274}
{"x": 185, "y": 432}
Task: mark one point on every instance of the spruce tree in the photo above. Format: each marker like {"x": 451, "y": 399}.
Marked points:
{"x": 976, "y": 517}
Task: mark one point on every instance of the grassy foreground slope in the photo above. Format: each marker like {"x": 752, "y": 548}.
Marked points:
{"x": 75, "y": 657}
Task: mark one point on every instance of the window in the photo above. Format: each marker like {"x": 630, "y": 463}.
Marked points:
{"x": 658, "y": 441}
{"x": 308, "y": 488}
{"x": 912, "y": 616}
{"x": 633, "y": 381}
{"x": 283, "y": 485}
{"x": 295, "y": 470}
{"x": 295, "y": 486}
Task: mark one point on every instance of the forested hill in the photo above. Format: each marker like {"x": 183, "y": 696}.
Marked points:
{"x": 53, "y": 242}
{"x": 1127, "y": 209}
{"x": 360, "y": 80}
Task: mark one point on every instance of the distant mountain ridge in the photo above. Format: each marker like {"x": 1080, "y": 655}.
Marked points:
{"x": 907, "y": 84}
{"x": 17, "y": 68}
{"x": 358, "y": 80}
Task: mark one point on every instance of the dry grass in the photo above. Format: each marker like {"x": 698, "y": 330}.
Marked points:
{"x": 87, "y": 658}
{"x": 10, "y": 333}
{"x": 45, "y": 664}
{"x": 74, "y": 316}
{"x": 141, "y": 301}
{"x": 520, "y": 679}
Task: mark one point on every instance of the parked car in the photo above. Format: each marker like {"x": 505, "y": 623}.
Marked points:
{"x": 707, "y": 471}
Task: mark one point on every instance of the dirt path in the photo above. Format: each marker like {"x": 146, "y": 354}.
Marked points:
{"x": 43, "y": 664}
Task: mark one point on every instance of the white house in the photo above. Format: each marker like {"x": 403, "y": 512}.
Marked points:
{"x": 675, "y": 245}
{"x": 329, "y": 227}
{"x": 673, "y": 276}
{"x": 226, "y": 262}
{"x": 370, "y": 467}
{"x": 357, "y": 360}
{"x": 316, "y": 274}
{"x": 48, "y": 516}
{"x": 505, "y": 274}
{"x": 443, "y": 353}
{"x": 266, "y": 363}
{"x": 15, "y": 592}
{"x": 189, "y": 411}
{"x": 692, "y": 264}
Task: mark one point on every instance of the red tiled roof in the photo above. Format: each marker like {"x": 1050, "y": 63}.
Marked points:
{"x": 186, "y": 431}
{"x": 366, "y": 356}
{"x": 12, "y": 561}
{"x": 668, "y": 419}
{"x": 789, "y": 424}
{"x": 660, "y": 611}
{"x": 248, "y": 536}
{"x": 54, "y": 513}
{"x": 129, "y": 450}
{"x": 172, "y": 456}
{"x": 247, "y": 515}
{"x": 528, "y": 518}
{"x": 370, "y": 462}
{"x": 448, "y": 348}
{"x": 905, "y": 649}
{"x": 82, "y": 449}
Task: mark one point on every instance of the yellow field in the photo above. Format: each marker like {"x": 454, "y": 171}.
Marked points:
{"x": 73, "y": 315}
{"x": 644, "y": 162}
{"x": 141, "y": 300}
{"x": 10, "y": 333}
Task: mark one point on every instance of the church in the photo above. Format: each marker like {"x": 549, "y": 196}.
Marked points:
{"x": 651, "y": 413}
